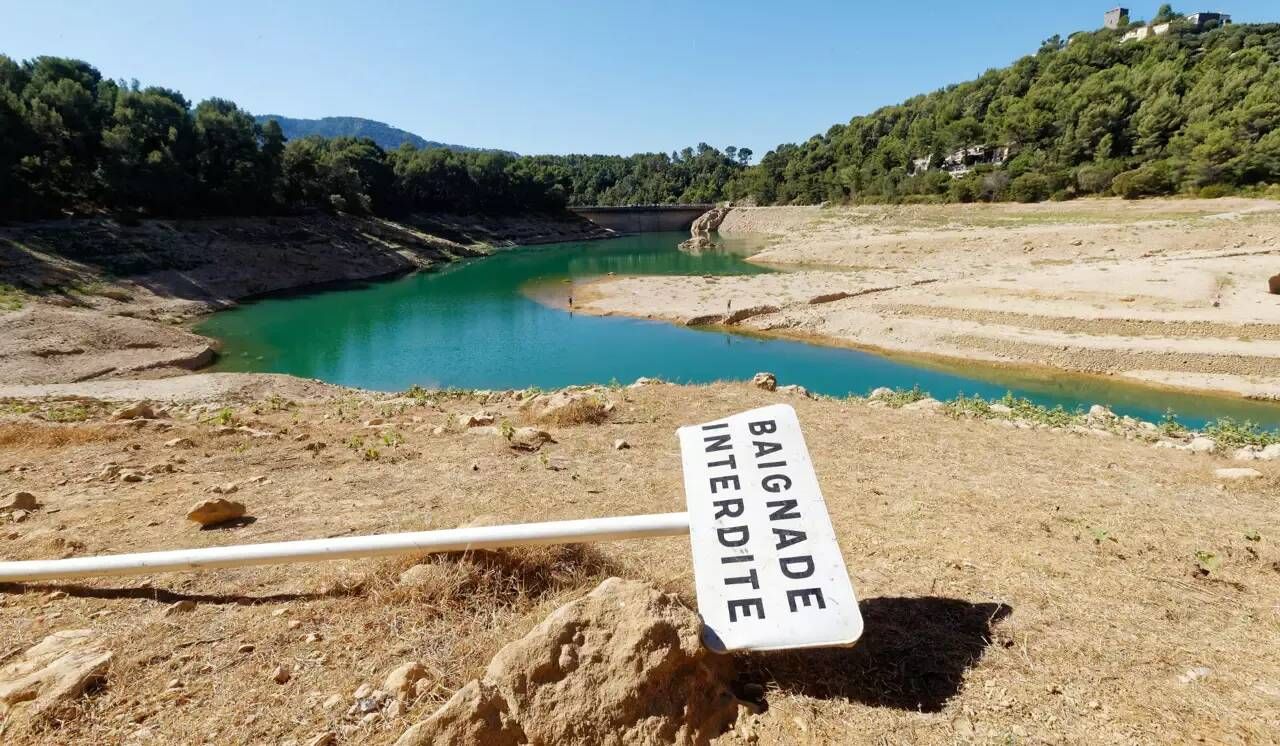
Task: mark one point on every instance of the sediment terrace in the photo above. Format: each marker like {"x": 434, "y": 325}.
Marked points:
{"x": 1168, "y": 291}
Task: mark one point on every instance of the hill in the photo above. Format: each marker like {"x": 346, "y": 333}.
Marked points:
{"x": 1193, "y": 111}
{"x": 386, "y": 136}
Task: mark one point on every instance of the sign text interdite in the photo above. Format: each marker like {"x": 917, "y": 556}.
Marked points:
{"x": 768, "y": 570}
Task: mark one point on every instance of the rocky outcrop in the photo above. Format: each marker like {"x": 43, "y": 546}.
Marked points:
{"x": 624, "y": 664}
{"x": 702, "y": 228}
{"x": 45, "y": 681}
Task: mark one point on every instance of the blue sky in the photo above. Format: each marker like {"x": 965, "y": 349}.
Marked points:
{"x": 559, "y": 77}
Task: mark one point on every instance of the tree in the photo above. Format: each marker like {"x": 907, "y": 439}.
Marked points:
{"x": 1165, "y": 13}
{"x": 148, "y": 151}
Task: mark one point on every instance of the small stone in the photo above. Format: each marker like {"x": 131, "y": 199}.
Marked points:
{"x": 1194, "y": 674}
{"x": 328, "y": 738}
{"x": 422, "y": 687}
{"x": 529, "y": 439}
{"x": 438, "y": 430}
{"x": 226, "y": 488}
{"x": 480, "y": 419}
{"x": 1270, "y": 453}
{"x": 363, "y": 691}
{"x": 181, "y": 607}
{"x": 19, "y": 501}
{"x": 924, "y": 405}
{"x": 180, "y": 443}
{"x": 314, "y": 637}
{"x": 175, "y": 684}
{"x": 1237, "y": 474}
{"x": 1201, "y": 444}
{"x": 620, "y": 445}
{"x": 475, "y": 466}
{"x": 245, "y": 648}
{"x": 281, "y": 675}
{"x": 293, "y": 624}
{"x": 215, "y": 511}
{"x": 130, "y": 476}
{"x": 140, "y": 411}
{"x": 402, "y": 679}
{"x": 333, "y": 701}
{"x": 766, "y": 381}
{"x": 1099, "y": 412}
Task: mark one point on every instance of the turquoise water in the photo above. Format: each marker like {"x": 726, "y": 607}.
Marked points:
{"x": 473, "y": 325}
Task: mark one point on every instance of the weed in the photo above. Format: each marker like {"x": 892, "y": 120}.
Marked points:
{"x": 507, "y": 429}
{"x": 11, "y": 298}
{"x": 903, "y": 397}
{"x": 69, "y": 413}
{"x": 1170, "y": 427}
{"x": 1252, "y": 536}
{"x": 392, "y": 439}
{"x": 224, "y": 417}
{"x": 1231, "y": 434}
{"x": 370, "y": 454}
{"x": 1208, "y": 562}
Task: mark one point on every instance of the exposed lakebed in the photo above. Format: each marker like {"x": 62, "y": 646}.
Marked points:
{"x": 502, "y": 322}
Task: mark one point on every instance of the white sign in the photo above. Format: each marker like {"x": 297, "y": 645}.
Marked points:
{"x": 768, "y": 569}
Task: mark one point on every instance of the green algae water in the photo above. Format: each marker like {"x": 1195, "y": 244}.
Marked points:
{"x": 474, "y": 325}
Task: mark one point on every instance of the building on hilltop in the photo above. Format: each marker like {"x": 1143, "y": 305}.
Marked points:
{"x": 1198, "y": 21}
{"x": 1115, "y": 18}
{"x": 963, "y": 161}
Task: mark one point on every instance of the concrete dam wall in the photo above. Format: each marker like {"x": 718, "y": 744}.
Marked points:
{"x": 643, "y": 218}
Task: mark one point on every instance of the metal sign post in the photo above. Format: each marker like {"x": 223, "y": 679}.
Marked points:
{"x": 768, "y": 571}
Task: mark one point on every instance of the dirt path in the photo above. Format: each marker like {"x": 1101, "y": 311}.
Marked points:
{"x": 1173, "y": 291}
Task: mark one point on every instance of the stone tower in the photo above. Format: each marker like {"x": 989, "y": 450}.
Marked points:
{"x": 1115, "y": 17}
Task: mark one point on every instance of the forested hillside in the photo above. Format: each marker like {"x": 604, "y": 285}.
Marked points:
{"x": 386, "y": 136}
{"x": 1188, "y": 112}
{"x": 1193, "y": 111}
{"x": 73, "y": 142}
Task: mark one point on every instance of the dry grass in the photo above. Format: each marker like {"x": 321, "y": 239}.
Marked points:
{"x": 585, "y": 410}
{"x": 32, "y": 435}
{"x": 1016, "y": 585}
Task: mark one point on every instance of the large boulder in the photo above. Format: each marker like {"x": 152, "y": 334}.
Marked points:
{"x": 703, "y": 226}
{"x": 624, "y": 664}
{"x": 46, "y": 680}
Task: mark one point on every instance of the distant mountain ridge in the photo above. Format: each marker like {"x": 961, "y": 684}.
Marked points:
{"x": 386, "y": 136}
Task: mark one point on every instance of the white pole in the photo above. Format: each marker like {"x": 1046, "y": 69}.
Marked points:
{"x": 277, "y": 553}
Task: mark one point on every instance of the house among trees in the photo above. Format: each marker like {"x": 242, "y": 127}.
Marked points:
{"x": 1165, "y": 20}
{"x": 963, "y": 160}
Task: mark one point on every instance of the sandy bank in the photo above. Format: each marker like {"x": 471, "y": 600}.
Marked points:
{"x": 1173, "y": 291}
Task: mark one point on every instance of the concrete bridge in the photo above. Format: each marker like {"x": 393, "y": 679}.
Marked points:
{"x": 643, "y": 218}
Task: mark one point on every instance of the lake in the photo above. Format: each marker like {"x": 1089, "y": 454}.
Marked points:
{"x": 474, "y": 324}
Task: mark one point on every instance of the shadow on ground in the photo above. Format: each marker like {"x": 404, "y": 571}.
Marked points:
{"x": 912, "y": 656}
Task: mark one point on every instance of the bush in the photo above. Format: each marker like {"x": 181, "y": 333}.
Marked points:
{"x": 964, "y": 190}
{"x": 1096, "y": 178}
{"x": 1030, "y": 187}
{"x": 1151, "y": 180}
{"x": 1214, "y": 191}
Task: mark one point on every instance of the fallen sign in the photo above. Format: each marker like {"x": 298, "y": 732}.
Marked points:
{"x": 769, "y": 573}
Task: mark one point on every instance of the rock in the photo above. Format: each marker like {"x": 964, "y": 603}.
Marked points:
{"x": 880, "y": 393}
{"x": 1274, "y": 284}
{"x": 1248, "y": 453}
{"x": 19, "y": 501}
{"x": 1001, "y": 409}
{"x": 47, "y": 679}
{"x": 1237, "y": 473}
{"x": 766, "y": 381}
{"x": 131, "y": 476}
{"x": 180, "y": 443}
{"x": 327, "y": 738}
{"x": 281, "y": 675}
{"x": 703, "y": 226}
{"x": 180, "y": 607}
{"x": 18, "y": 516}
{"x": 1099, "y": 412}
{"x": 641, "y": 382}
{"x": 624, "y": 664}
{"x": 1201, "y": 445}
{"x": 400, "y": 682}
{"x": 139, "y": 411}
{"x": 1270, "y": 453}
{"x": 529, "y": 439}
{"x": 924, "y": 405}
{"x": 1194, "y": 674}
{"x": 217, "y": 510}
{"x": 226, "y": 488}
{"x": 479, "y": 419}
{"x": 569, "y": 407}
{"x": 796, "y": 390}
{"x": 620, "y": 445}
